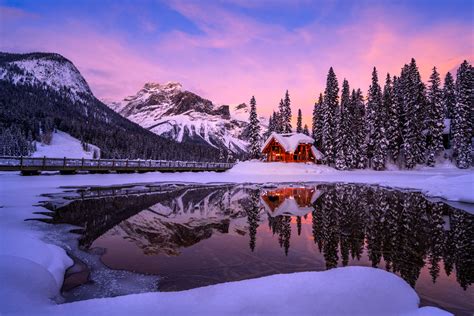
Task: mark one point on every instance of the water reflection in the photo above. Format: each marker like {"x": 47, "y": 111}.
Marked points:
{"x": 195, "y": 236}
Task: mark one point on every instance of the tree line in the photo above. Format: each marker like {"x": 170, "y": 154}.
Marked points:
{"x": 407, "y": 122}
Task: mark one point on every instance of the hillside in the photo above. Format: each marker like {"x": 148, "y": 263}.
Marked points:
{"x": 41, "y": 92}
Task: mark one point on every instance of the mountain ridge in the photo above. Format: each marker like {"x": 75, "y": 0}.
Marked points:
{"x": 172, "y": 112}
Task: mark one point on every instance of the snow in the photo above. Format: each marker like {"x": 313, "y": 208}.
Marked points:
{"x": 371, "y": 292}
{"x": 64, "y": 145}
{"x": 447, "y": 126}
{"x": 317, "y": 154}
{"x": 31, "y": 270}
{"x": 444, "y": 181}
{"x": 289, "y": 141}
{"x": 53, "y": 73}
{"x": 153, "y": 106}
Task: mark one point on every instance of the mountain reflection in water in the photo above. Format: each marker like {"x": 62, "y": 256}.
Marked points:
{"x": 193, "y": 236}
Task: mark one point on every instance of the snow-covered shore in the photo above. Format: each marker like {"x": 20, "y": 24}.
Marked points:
{"x": 32, "y": 271}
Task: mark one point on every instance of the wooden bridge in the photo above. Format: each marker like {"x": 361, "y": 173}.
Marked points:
{"x": 34, "y": 166}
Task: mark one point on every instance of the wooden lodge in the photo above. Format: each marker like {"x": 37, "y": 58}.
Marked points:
{"x": 291, "y": 147}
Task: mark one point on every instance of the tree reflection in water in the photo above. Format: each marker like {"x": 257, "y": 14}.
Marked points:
{"x": 401, "y": 228}
{"x": 199, "y": 235}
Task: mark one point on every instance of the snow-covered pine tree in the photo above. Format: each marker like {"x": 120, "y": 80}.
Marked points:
{"x": 377, "y": 136}
{"x": 462, "y": 124}
{"x": 414, "y": 111}
{"x": 359, "y": 129}
{"x": 275, "y": 121}
{"x": 280, "y": 117}
{"x": 343, "y": 161}
{"x": 306, "y": 130}
{"x": 254, "y": 131}
{"x": 271, "y": 127}
{"x": 351, "y": 129}
{"x": 317, "y": 122}
{"x": 299, "y": 122}
{"x": 329, "y": 117}
{"x": 394, "y": 126}
{"x": 390, "y": 114}
{"x": 286, "y": 114}
{"x": 434, "y": 119}
{"x": 449, "y": 96}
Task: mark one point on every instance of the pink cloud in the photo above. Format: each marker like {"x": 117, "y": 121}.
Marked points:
{"x": 110, "y": 67}
{"x": 235, "y": 57}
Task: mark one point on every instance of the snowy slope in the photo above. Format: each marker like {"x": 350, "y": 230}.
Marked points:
{"x": 64, "y": 145}
{"x": 51, "y": 70}
{"x": 170, "y": 111}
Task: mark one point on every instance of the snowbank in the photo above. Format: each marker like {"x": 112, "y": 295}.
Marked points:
{"x": 342, "y": 291}
{"x": 64, "y": 145}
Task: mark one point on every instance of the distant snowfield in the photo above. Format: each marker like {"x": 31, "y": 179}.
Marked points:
{"x": 31, "y": 271}
{"x": 64, "y": 145}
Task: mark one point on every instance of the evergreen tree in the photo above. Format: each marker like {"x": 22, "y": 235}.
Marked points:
{"x": 449, "y": 96}
{"x": 274, "y": 126}
{"x": 254, "y": 139}
{"x": 329, "y": 117}
{"x": 286, "y": 114}
{"x": 280, "y": 117}
{"x": 377, "y": 135}
{"x": 317, "y": 122}
{"x": 462, "y": 122}
{"x": 271, "y": 127}
{"x": 388, "y": 105}
{"x": 359, "y": 129}
{"x": 394, "y": 125}
{"x": 306, "y": 130}
{"x": 343, "y": 161}
{"x": 414, "y": 111}
{"x": 299, "y": 122}
{"x": 434, "y": 119}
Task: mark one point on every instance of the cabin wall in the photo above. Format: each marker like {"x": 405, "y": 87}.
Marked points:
{"x": 275, "y": 152}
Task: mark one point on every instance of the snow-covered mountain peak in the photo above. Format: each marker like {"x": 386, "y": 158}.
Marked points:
{"x": 52, "y": 70}
{"x": 168, "y": 87}
{"x": 241, "y": 112}
{"x": 173, "y": 112}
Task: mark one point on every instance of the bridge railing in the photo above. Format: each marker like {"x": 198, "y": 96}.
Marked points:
{"x": 42, "y": 163}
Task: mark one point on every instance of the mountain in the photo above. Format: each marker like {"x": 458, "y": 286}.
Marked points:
{"x": 177, "y": 114}
{"x": 43, "y": 92}
{"x": 46, "y": 70}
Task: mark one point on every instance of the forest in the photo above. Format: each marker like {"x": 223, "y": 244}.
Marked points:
{"x": 406, "y": 122}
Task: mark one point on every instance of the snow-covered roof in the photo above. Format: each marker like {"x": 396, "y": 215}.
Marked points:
{"x": 317, "y": 154}
{"x": 290, "y": 206}
{"x": 289, "y": 141}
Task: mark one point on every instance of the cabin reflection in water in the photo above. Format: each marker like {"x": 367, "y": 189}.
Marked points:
{"x": 297, "y": 201}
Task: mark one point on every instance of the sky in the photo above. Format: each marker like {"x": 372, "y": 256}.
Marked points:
{"x": 229, "y": 50}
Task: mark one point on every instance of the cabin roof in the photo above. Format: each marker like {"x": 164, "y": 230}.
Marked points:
{"x": 289, "y": 141}
{"x": 289, "y": 206}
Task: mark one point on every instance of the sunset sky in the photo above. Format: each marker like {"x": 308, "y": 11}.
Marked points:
{"x": 228, "y": 51}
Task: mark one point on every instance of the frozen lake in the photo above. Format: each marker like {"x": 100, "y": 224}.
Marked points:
{"x": 173, "y": 237}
